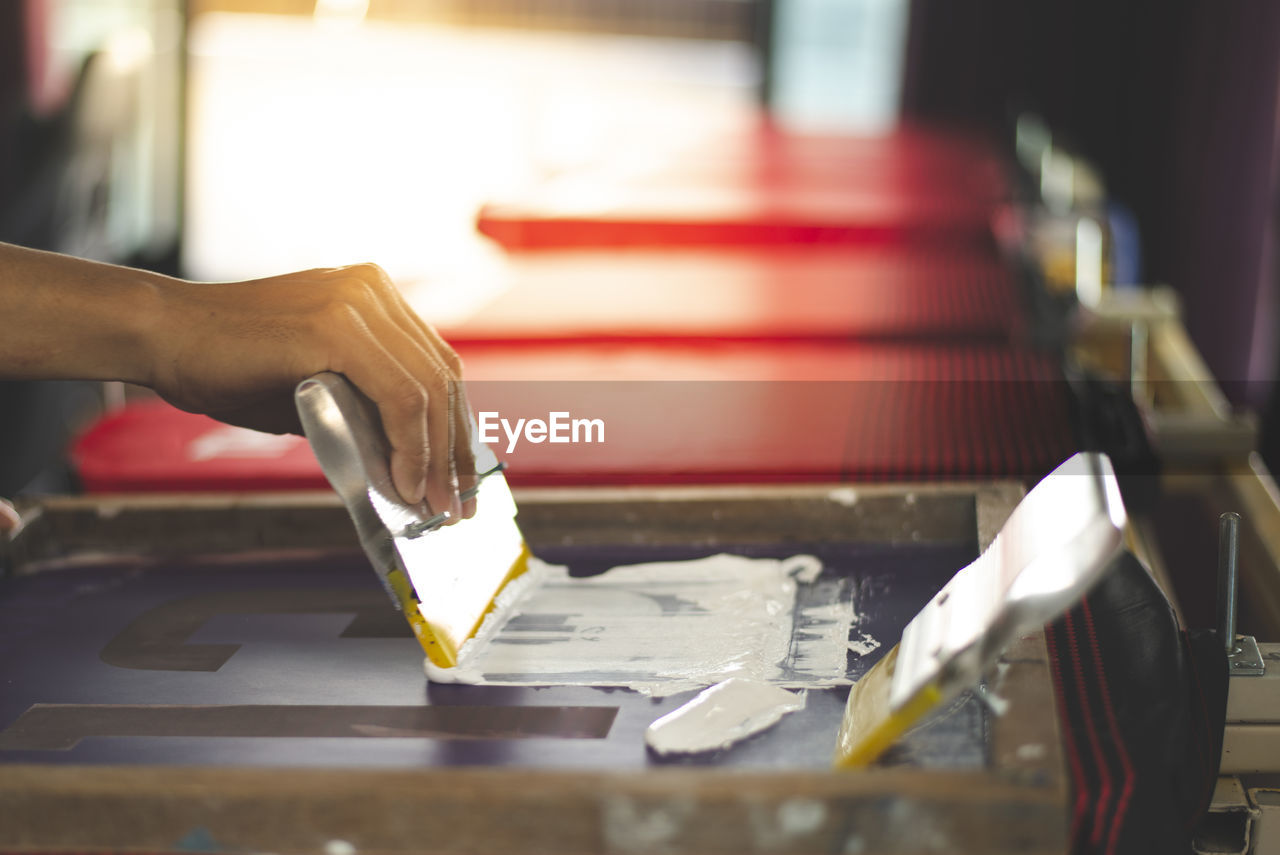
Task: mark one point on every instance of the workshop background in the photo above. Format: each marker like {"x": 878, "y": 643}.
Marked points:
{"x": 891, "y": 241}
{"x": 217, "y": 139}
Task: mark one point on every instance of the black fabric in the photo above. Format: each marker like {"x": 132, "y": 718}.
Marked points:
{"x": 1142, "y": 705}
{"x": 1105, "y": 418}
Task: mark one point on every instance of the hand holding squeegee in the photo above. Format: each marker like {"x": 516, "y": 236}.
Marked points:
{"x": 460, "y": 569}
{"x": 1056, "y": 544}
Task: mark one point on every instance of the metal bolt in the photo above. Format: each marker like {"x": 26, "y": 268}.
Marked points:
{"x": 1228, "y": 553}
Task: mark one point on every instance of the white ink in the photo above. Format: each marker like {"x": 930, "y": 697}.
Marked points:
{"x": 846, "y": 496}
{"x": 726, "y": 713}
{"x": 865, "y": 645}
{"x": 663, "y": 628}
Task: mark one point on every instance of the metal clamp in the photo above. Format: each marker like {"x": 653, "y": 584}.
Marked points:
{"x": 418, "y": 529}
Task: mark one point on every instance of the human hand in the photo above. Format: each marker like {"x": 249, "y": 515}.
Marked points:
{"x": 237, "y": 350}
{"x": 10, "y": 522}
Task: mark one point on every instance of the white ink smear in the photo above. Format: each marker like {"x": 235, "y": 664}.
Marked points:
{"x": 1031, "y": 751}
{"x": 718, "y": 717}
{"x": 631, "y": 826}
{"x": 864, "y": 645}
{"x": 662, "y": 628}
{"x": 809, "y": 574}
{"x": 778, "y": 829}
{"x": 846, "y": 496}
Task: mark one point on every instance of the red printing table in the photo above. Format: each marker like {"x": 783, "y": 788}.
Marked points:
{"x": 747, "y": 293}
{"x": 756, "y": 184}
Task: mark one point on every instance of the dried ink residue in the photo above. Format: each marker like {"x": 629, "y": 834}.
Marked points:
{"x": 865, "y": 645}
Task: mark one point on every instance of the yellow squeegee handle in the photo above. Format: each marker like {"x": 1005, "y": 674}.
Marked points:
{"x": 438, "y": 650}
{"x": 870, "y": 725}
{"x": 407, "y": 600}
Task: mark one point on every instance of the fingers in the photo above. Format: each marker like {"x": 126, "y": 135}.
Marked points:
{"x": 462, "y": 451}
{"x": 404, "y": 399}
{"x": 462, "y": 455}
{"x": 414, "y": 378}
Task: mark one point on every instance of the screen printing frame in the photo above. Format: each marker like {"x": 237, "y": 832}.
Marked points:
{"x": 1018, "y": 803}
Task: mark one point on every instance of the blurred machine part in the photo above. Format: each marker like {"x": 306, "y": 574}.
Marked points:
{"x": 91, "y": 146}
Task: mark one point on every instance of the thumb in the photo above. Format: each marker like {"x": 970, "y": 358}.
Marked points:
{"x": 10, "y": 522}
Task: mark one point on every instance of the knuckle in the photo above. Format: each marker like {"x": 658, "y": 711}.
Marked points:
{"x": 369, "y": 297}
{"x": 409, "y": 398}
{"x": 373, "y": 276}
{"x": 338, "y": 317}
{"x": 441, "y": 380}
{"x": 351, "y": 299}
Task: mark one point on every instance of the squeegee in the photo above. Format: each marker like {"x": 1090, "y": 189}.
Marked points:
{"x": 1055, "y": 546}
{"x": 443, "y": 578}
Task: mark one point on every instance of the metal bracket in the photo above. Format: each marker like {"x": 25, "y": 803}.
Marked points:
{"x": 1243, "y": 656}
{"x": 1245, "y": 659}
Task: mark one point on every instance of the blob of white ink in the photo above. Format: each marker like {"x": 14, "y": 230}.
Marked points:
{"x": 718, "y": 717}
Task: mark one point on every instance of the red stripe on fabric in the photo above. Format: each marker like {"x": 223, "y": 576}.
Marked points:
{"x": 1073, "y": 752}
{"x": 1126, "y": 792}
{"x": 1104, "y": 773}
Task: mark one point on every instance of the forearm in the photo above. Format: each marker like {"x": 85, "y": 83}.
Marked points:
{"x": 236, "y": 350}
{"x": 67, "y": 318}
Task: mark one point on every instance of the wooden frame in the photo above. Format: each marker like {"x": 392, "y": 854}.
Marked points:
{"x": 1138, "y": 337}
{"x": 1018, "y": 804}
